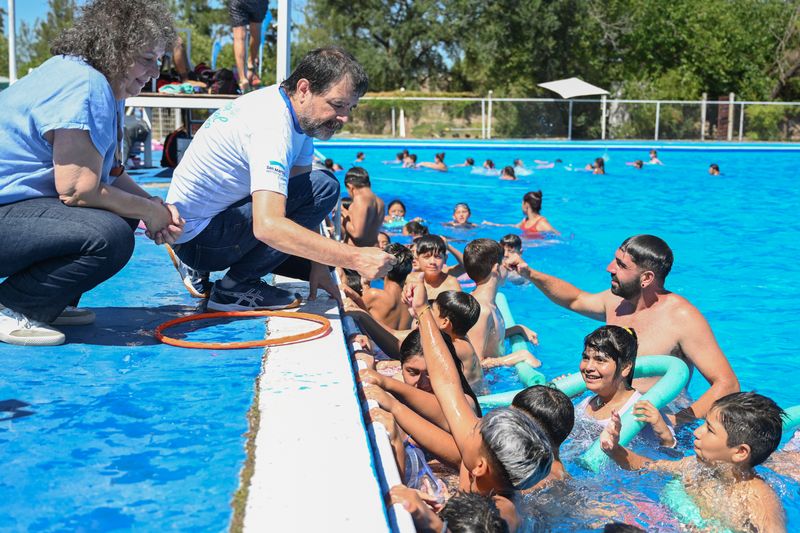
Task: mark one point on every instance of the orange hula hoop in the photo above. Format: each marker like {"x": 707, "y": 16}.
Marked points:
{"x": 324, "y": 329}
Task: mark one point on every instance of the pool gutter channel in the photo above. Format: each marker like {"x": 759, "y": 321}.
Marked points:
{"x": 307, "y": 439}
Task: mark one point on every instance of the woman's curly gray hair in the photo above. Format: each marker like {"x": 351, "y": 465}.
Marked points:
{"x": 110, "y": 34}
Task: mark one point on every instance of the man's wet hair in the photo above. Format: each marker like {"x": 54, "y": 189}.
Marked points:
{"x": 649, "y": 252}
{"x": 357, "y": 177}
{"x": 412, "y": 345}
{"x": 551, "y": 408}
{"x": 753, "y": 419}
{"x": 618, "y": 343}
{"x": 431, "y": 244}
{"x": 480, "y": 256}
{"x": 472, "y": 512}
{"x": 416, "y": 228}
{"x": 353, "y": 280}
{"x": 405, "y": 262}
{"x": 460, "y": 308}
{"x": 512, "y": 241}
{"x": 517, "y": 448}
{"x": 324, "y": 68}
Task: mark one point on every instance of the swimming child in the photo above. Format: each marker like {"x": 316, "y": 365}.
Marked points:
{"x": 362, "y": 219}
{"x": 415, "y": 229}
{"x": 598, "y": 167}
{"x": 395, "y": 215}
{"x": 359, "y": 157}
{"x": 330, "y": 165}
{"x": 638, "y": 164}
{"x": 508, "y": 174}
{"x": 741, "y": 430}
{"x": 385, "y": 305}
{"x": 713, "y": 169}
{"x": 461, "y": 214}
{"x": 512, "y": 245}
{"x": 438, "y": 163}
{"x": 383, "y": 240}
{"x": 534, "y": 222}
{"x": 488, "y": 164}
{"x": 468, "y": 162}
{"x": 431, "y": 254}
{"x": 654, "y": 160}
{"x": 410, "y": 161}
{"x": 607, "y": 363}
{"x": 482, "y": 258}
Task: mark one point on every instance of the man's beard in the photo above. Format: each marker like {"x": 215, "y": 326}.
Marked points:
{"x": 322, "y": 130}
{"x": 627, "y": 291}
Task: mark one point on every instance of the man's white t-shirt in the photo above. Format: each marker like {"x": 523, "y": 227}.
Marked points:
{"x": 250, "y": 144}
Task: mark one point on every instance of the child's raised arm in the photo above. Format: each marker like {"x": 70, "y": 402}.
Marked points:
{"x": 442, "y": 370}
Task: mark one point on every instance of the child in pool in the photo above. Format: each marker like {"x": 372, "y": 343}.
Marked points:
{"x": 512, "y": 245}
{"x": 598, "y": 167}
{"x": 607, "y": 363}
{"x": 508, "y": 174}
{"x": 482, "y": 258}
{"x": 383, "y": 240}
{"x": 395, "y": 213}
{"x": 740, "y": 432}
{"x": 461, "y": 214}
{"x": 534, "y": 222}
{"x": 431, "y": 255}
{"x": 385, "y": 305}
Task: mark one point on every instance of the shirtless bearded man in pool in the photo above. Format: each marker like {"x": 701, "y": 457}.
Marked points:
{"x": 665, "y": 322}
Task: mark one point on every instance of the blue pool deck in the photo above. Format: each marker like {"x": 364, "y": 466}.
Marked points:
{"x": 116, "y": 431}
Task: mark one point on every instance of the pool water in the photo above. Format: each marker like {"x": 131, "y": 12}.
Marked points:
{"x": 734, "y": 238}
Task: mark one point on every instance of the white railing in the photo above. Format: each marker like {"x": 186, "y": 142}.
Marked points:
{"x": 604, "y": 117}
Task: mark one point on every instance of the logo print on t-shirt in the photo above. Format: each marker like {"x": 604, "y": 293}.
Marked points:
{"x": 276, "y": 167}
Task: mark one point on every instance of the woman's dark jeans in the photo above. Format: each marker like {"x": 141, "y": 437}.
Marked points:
{"x": 52, "y": 254}
{"x": 228, "y": 240}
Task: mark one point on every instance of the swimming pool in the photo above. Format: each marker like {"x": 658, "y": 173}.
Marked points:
{"x": 734, "y": 236}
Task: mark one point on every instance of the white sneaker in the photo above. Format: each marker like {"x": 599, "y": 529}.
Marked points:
{"x": 16, "y": 328}
{"x": 74, "y": 316}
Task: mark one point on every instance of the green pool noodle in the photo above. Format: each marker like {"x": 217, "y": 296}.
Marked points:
{"x": 792, "y": 419}
{"x": 528, "y": 375}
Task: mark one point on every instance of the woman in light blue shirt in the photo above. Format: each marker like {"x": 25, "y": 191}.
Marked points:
{"x": 67, "y": 206}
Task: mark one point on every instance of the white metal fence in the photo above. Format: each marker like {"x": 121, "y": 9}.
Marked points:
{"x": 726, "y": 119}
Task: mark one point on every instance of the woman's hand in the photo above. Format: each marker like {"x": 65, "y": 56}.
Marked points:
{"x": 609, "y": 439}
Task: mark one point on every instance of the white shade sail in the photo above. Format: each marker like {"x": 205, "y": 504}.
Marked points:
{"x": 572, "y": 87}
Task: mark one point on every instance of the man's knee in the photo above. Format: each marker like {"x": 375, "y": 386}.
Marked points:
{"x": 326, "y": 189}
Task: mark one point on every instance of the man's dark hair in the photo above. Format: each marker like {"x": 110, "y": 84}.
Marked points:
{"x": 416, "y": 228}
{"x": 551, "y": 408}
{"x": 405, "y": 262}
{"x": 431, "y": 244}
{"x": 460, "y": 308}
{"x": 325, "y": 67}
{"x": 357, "y": 177}
{"x": 618, "y": 343}
{"x": 472, "y": 512}
{"x": 480, "y": 256}
{"x": 753, "y": 419}
{"x": 512, "y": 241}
{"x": 649, "y": 252}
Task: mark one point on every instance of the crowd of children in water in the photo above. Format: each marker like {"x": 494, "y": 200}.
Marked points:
{"x": 427, "y": 344}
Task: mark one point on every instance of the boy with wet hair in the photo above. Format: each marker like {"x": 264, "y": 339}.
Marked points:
{"x": 431, "y": 254}
{"x": 555, "y": 414}
{"x": 362, "y": 220}
{"x": 386, "y": 305}
{"x": 740, "y": 432}
{"x": 511, "y": 244}
{"x": 456, "y": 312}
{"x": 482, "y": 258}
{"x": 415, "y": 229}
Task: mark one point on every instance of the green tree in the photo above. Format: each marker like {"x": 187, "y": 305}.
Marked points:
{"x": 33, "y": 44}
